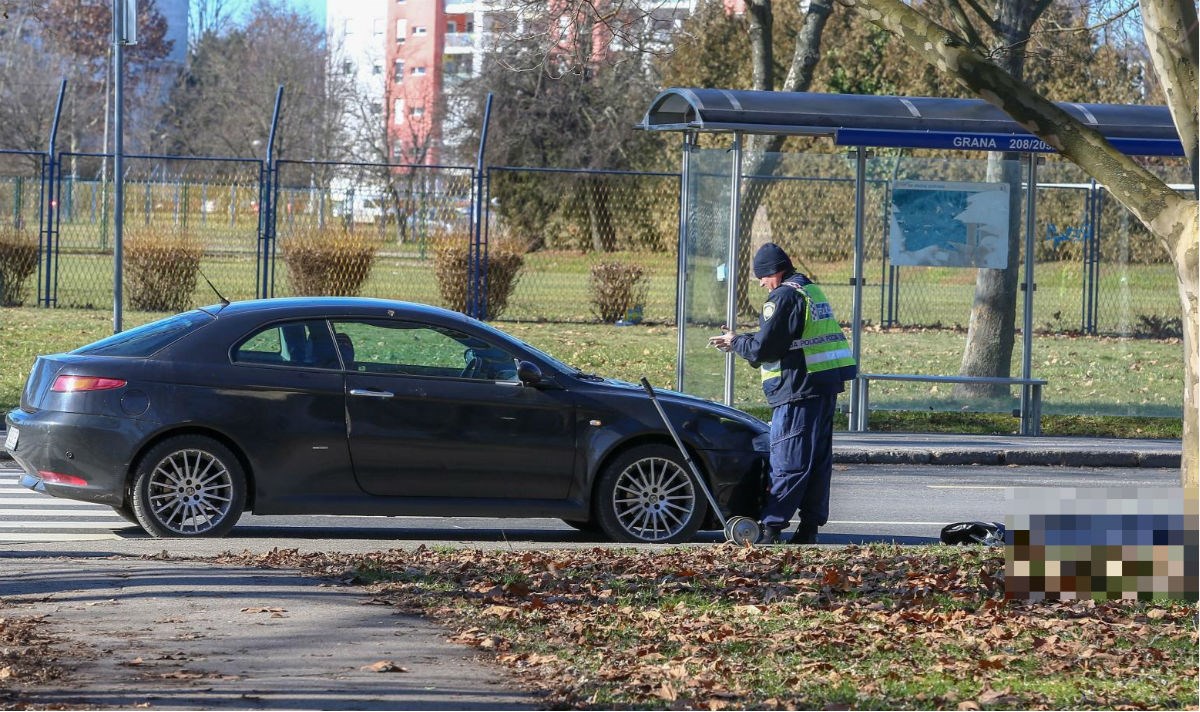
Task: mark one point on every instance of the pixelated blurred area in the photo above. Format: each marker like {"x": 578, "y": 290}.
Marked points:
{"x": 1102, "y": 544}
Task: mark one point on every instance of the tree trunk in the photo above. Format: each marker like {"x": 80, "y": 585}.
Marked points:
{"x": 991, "y": 330}
{"x": 600, "y": 224}
{"x": 763, "y": 149}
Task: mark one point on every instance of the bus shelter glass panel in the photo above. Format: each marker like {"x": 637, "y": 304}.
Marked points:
{"x": 705, "y": 260}
{"x": 803, "y": 202}
{"x": 932, "y": 225}
{"x": 1107, "y": 314}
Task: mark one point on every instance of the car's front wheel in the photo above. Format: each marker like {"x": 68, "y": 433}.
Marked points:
{"x": 647, "y": 495}
{"x": 189, "y": 485}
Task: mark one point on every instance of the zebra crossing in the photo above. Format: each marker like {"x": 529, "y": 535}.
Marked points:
{"x": 29, "y": 517}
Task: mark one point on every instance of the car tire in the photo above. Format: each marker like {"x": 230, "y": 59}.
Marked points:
{"x": 647, "y": 495}
{"x": 188, "y": 486}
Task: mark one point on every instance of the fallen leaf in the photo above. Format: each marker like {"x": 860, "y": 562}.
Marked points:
{"x": 383, "y": 666}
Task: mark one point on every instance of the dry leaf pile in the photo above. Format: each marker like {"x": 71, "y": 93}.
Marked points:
{"x": 878, "y": 627}
{"x": 27, "y": 656}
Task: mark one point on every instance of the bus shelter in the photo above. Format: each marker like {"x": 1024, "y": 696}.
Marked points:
{"x": 977, "y": 198}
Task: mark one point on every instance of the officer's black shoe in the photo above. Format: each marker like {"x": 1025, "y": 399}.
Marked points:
{"x": 805, "y": 534}
{"x": 770, "y": 534}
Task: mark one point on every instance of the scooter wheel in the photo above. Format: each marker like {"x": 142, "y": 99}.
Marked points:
{"x": 742, "y": 531}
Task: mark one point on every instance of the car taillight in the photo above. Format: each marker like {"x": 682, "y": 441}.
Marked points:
{"x": 76, "y": 384}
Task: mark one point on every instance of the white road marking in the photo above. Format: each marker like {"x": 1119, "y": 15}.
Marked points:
{"x": 29, "y": 517}
{"x": 987, "y": 487}
{"x": 915, "y": 524}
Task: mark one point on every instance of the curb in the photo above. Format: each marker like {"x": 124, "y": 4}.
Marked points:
{"x": 1001, "y": 457}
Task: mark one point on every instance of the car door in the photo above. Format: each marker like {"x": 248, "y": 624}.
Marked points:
{"x": 435, "y": 412}
{"x": 287, "y": 402}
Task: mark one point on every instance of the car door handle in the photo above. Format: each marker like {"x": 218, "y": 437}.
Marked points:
{"x": 371, "y": 394}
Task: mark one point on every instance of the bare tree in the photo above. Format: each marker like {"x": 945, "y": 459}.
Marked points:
{"x": 1171, "y": 34}
{"x": 222, "y": 105}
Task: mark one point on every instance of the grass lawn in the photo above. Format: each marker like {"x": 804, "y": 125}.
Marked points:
{"x": 875, "y": 627}
{"x": 1097, "y": 385}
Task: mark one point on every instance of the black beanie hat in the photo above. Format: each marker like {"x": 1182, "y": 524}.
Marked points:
{"x": 770, "y": 259}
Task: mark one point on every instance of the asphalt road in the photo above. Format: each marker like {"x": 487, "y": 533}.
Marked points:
{"x": 870, "y": 503}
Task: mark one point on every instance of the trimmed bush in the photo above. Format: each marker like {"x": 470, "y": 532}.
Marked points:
{"x": 617, "y": 286}
{"x": 18, "y": 260}
{"x": 451, "y": 261}
{"x": 328, "y": 262}
{"x": 160, "y": 270}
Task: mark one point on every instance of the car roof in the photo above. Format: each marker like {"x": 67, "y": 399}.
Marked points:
{"x": 357, "y": 306}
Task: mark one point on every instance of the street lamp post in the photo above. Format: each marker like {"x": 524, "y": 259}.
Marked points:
{"x": 124, "y": 33}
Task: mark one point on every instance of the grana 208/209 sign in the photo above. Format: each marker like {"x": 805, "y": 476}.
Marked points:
{"x": 1018, "y": 143}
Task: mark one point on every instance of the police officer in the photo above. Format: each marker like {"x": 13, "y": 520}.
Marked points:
{"x": 805, "y": 362}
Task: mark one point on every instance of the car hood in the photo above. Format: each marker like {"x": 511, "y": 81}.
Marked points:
{"x": 688, "y": 401}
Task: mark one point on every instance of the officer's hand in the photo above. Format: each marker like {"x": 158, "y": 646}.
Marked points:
{"x": 723, "y": 341}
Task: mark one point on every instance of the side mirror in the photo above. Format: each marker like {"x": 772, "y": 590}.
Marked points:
{"x": 528, "y": 373}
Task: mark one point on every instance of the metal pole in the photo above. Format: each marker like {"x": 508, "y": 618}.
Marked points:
{"x": 1027, "y": 427}
{"x": 266, "y": 205}
{"x": 689, "y": 143}
{"x": 49, "y": 175}
{"x": 477, "y": 255}
{"x": 857, "y": 419}
{"x": 118, "y": 161}
{"x": 733, "y": 274}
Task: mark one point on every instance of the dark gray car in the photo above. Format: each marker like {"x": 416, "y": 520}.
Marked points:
{"x": 368, "y": 407}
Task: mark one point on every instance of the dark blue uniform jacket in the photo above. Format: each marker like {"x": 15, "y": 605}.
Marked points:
{"x": 782, "y": 322}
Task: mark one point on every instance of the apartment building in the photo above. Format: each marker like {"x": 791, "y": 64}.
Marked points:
{"x": 415, "y": 53}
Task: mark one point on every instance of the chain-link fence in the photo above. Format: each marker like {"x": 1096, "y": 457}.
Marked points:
{"x": 182, "y": 217}
{"x": 1097, "y": 270}
{"x": 369, "y": 229}
{"x": 22, "y": 176}
{"x": 570, "y": 222}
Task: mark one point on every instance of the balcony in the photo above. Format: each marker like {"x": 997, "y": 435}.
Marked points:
{"x": 460, "y": 7}
{"x": 460, "y": 43}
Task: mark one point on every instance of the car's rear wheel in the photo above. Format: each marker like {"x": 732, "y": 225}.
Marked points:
{"x": 648, "y": 495}
{"x": 189, "y": 485}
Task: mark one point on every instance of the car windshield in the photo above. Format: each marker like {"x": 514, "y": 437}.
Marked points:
{"x": 529, "y": 347}
{"x": 145, "y": 340}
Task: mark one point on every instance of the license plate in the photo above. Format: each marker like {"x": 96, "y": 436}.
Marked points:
{"x": 10, "y": 442}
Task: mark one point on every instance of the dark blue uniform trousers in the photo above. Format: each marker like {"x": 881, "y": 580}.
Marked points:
{"x": 801, "y": 461}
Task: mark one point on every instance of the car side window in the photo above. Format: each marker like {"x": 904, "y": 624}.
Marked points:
{"x": 412, "y": 349}
{"x": 298, "y": 344}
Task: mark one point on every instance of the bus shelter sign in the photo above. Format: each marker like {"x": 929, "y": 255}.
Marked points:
{"x": 1018, "y": 143}
{"x": 949, "y": 224}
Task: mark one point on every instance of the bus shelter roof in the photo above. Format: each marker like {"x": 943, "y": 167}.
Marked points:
{"x": 913, "y": 122}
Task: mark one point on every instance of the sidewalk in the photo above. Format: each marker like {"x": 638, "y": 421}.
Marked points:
{"x": 958, "y": 449}
{"x": 185, "y": 635}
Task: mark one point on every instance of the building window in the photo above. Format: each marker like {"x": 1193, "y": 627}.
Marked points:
{"x": 347, "y": 68}
{"x": 378, "y": 27}
{"x": 401, "y": 30}
{"x": 419, "y": 31}
{"x": 398, "y": 111}
{"x": 377, "y": 68}
{"x": 418, "y": 111}
{"x": 418, "y": 71}
{"x": 452, "y": 27}
{"x": 398, "y": 71}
